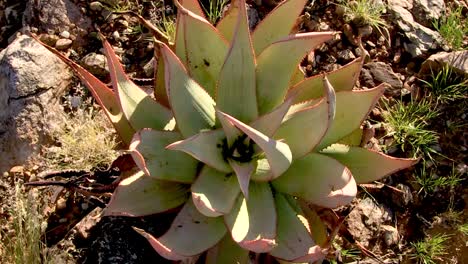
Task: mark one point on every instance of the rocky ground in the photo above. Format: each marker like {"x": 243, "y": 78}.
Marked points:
{"x": 37, "y": 92}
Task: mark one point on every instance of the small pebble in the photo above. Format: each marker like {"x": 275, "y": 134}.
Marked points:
{"x": 65, "y": 34}
{"x": 63, "y": 44}
{"x": 116, "y": 35}
{"x": 63, "y": 220}
{"x": 95, "y": 6}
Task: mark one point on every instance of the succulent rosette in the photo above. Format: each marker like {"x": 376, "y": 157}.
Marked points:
{"x": 238, "y": 139}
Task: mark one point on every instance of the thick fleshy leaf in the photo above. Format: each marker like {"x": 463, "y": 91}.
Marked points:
{"x": 205, "y": 49}
{"x": 190, "y": 234}
{"x": 227, "y": 25}
{"x": 277, "y": 63}
{"x": 105, "y": 97}
{"x": 231, "y": 131}
{"x": 227, "y": 251}
{"x": 318, "y": 179}
{"x": 206, "y": 147}
{"x": 140, "y": 195}
{"x": 294, "y": 240}
{"x": 160, "y": 93}
{"x": 214, "y": 192}
{"x": 304, "y": 129}
{"x": 352, "y": 107}
{"x": 192, "y": 106}
{"x": 193, "y": 6}
{"x": 263, "y": 171}
{"x": 352, "y": 139}
{"x": 367, "y": 165}
{"x": 277, "y": 24}
{"x": 243, "y": 172}
{"x": 149, "y": 151}
{"x": 252, "y": 222}
{"x": 236, "y": 94}
{"x": 316, "y": 226}
{"x": 139, "y": 108}
{"x": 342, "y": 79}
{"x": 297, "y": 77}
{"x": 278, "y": 153}
{"x": 270, "y": 122}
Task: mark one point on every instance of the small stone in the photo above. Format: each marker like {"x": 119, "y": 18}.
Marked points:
{"x": 96, "y": 64}
{"x": 63, "y": 220}
{"x": 116, "y": 35}
{"x": 61, "y": 204}
{"x": 149, "y": 67}
{"x": 390, "y": 235}
{"x": 95, "y": 6}
{"x": 324, "y": 26}
{"x": 65, "y": 34}
{"x": 63, "y": 44}
{"x": 346, "y": 55}
{"x": 49, "y": 39}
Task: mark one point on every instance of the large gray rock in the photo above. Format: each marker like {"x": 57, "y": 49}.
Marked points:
{"x": 426, "y": 12}
{"x": 422, "y": 39}
{"x": 55, "y": 16}
{"x": 30, "y": 81}
{"x": 457, "y": 60}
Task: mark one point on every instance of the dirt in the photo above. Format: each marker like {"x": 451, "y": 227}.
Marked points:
{"x": 87, "y": 237}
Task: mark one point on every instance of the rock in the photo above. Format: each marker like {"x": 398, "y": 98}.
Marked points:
{"x": 30, "y": 80}
{"x": 63, "y": 44}
{"x": 457, "y": 60}
{"x": 95, "y": 6}
{"x": 96, "y": 64}
{"x": 426, "y": 11}
{"x": 390, "y": 235}
{"x": 149, "y": 68}
{"x": 366, "y": 78}
{"x": 422, "y": 39}
{"x": 403, "y": 198}
{"x": 345, "y": 56}
{"x": 49, "y": 39}
{"x": 58, "y": 16}
{"x": 365, "y": 220}
{"x": 65, "y": 34}
{"x": 383, "y": 73}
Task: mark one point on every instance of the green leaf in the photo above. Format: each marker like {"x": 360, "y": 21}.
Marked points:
{"x": 342, "y": 79}
{"x": 205, "y": 49}
{"x": 236, "y": 94}
{"x": 149, "y": 151}
{"x": 105, "y": 97}
{"x": 243, "y": 172}
{"x": 205, "y": 147}
{"x": 139, "y": 108}
{"x": 192, "y": 106}
{"x": 263, "y": 172}
{"x": 190, "y": 234}
{"x": 352, "y": 139}
{"x": 294, "y": 241}
{"x": 297, "y": 77}
{"x": 269, "y": 123}
{"x": 316, "y": 227}
{"x": 352, "y": 107}
{"x": 278, "y": 153}
{"x": 140, "y": 195}
{"x": 214, "y": 192}
{"x": 159, "y": 83}
{"x": 227, "y": 25}
{"x": 367, "y": 165}
{"x": 227, "y": 251}
{"x": 318, "y": 179}
{"x": 253, "y": 222}
{"x": 277, "y": 24}
{"x": 193, "y": 6}
{"x": 304, "y": 129}
{"x": 277, "y": 63}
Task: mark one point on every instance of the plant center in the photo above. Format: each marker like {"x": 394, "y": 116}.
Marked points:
{"x": 242, "y": 150}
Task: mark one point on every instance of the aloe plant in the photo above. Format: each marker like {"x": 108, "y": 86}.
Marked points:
{"x": 238, "y": 139}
